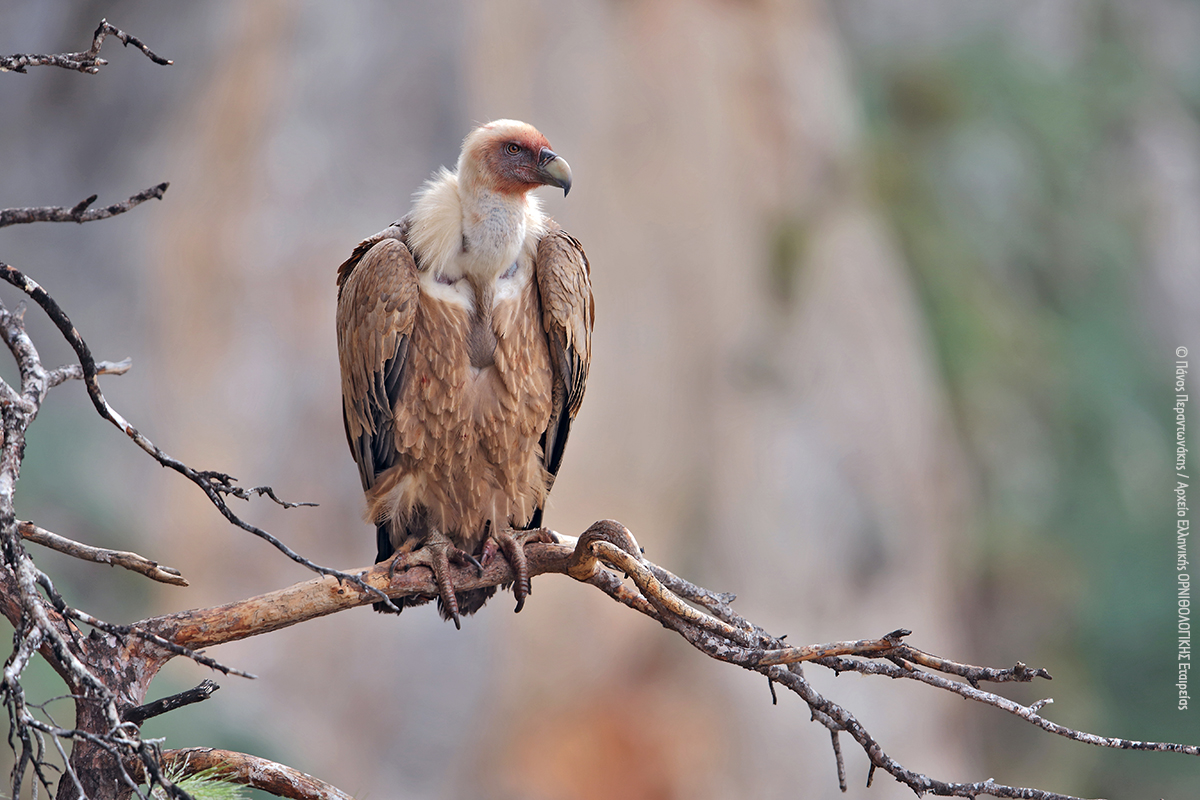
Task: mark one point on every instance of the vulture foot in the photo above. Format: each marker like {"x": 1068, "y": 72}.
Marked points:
{"x": 439, "y": 553}
{"x": 512, "y": 544}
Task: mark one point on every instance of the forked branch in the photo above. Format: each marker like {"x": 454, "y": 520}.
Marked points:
{"x": 215, "y": 485}
{"x": 601, "y": 556}
{"x": 88, "y": 61}
{"x": 81, "y": 211}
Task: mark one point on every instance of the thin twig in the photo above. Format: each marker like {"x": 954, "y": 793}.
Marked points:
{"x": 229, "y": 487}
{"x": 1027, "y": 713}
{"x": 921, "y": 784}
{"x": 87, "y": 61}
{"x": 74, "y": 372}
{"x": 79, "y": 212}
{"x": 1018, "y": 673}
{"x": 141, "y": 713}
{"x": 837, "y": 756}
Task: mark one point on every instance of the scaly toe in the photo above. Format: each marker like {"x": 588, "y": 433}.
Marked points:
{"x": 512, "y": 544}
{"x": 438, "y": 553}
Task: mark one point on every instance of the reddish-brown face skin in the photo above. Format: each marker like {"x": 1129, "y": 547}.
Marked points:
{"x": 512, "y": 163}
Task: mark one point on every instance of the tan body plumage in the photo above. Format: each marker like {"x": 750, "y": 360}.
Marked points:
{"x": 464, "y": 335}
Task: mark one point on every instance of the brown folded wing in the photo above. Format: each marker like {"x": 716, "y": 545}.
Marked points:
{"x": 377, "y": 307}
{"x": 565, "y": 286}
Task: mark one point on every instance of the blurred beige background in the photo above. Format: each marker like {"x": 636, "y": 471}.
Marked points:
{"x": 790, "y": 399}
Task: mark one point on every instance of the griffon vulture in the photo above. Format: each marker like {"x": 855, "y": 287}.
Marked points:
{"x": 464, "y": 336}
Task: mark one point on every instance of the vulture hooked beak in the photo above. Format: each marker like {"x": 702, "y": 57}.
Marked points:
{"x": 554, "y": 170}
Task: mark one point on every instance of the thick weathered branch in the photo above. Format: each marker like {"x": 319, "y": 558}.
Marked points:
{"x": 79, "y": 212}
{"x": 117, "y": 558}
{"x": 318, "y": 597}
{"x": 88, "y": 61}
{"x": 122, "y": 634}
{"x": 592, "y": 558}
{"x": 247, "y": 770}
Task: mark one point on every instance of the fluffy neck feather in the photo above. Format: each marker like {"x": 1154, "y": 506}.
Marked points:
{"x": 462, "y": 228}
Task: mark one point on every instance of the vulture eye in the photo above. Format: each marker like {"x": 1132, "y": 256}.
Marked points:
{"x": 513, "y": 148}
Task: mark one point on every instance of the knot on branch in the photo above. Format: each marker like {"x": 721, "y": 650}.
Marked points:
{"x": 1024, "y": 674}
{"x": 584, "y": 563}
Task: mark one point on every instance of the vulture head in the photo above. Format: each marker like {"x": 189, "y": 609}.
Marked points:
{"x": 511, "y": 157}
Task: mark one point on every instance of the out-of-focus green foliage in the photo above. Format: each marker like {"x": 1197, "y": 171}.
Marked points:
{"x": 204, "y": 785}
{"x": 1009, "y": 185}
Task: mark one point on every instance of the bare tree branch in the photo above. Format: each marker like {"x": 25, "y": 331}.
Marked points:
{"x": 247, "y": 770}
{"x": 74, "y": 372}
{"x": 214, "y": 484}
{"x": 599, "y": 557}
{"x": 102, "y": 738}
{"x": 920, "y": 784}
{"x": 37, "y": 626}
{"x": 117, "y": 558}
{"x": 79, "y": 212}
{"x": 87, "y": 61}
{"x": 124, "y": 632}
{"x": 197, "y": 694}
{"x": 108, "y": 672}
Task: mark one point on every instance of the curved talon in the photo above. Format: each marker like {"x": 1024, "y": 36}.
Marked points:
{"x": 515, "y": 554}
{"x": 438, "y": 553}
{"x": 440, "y": 565}
{"x": 396, "y": 557}
{"x": 512, "y": 544}
{"x": 472, "y": 560}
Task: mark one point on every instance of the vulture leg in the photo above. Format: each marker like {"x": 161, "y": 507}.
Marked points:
{"x": 512, "y": 544}
{"x": 439, "y": 553}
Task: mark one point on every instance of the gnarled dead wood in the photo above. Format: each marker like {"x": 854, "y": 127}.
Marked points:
{"x": 247, "y": 770}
